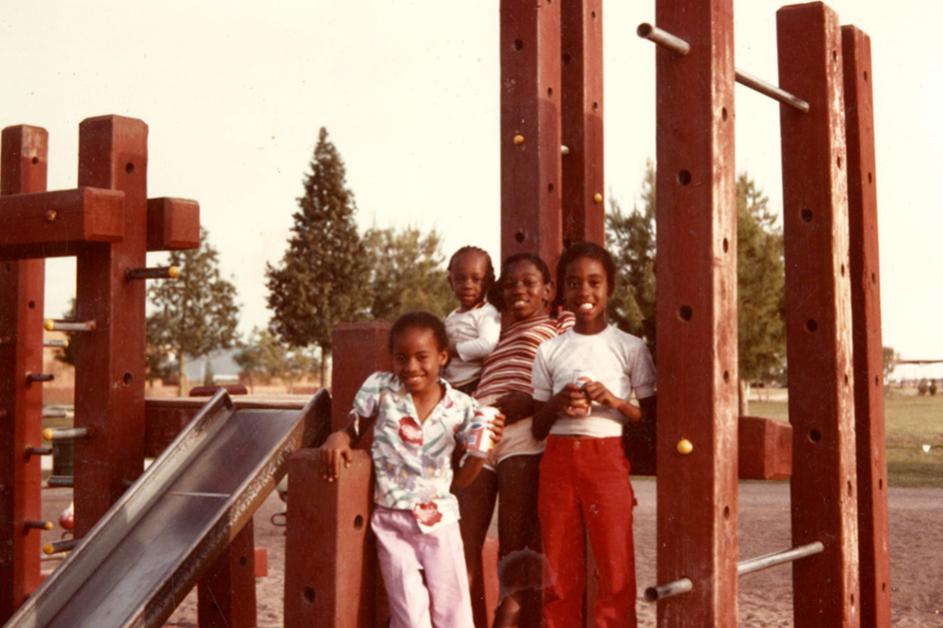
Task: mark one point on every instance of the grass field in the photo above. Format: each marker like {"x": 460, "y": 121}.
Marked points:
{"x": 912, "y": 422}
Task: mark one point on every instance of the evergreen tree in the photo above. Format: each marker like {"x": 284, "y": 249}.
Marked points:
{"x": 263, "y": 357}
{"x": 323, "y": 276}
{"x": 406, "y": 273}
{"x": 193, "y": 314}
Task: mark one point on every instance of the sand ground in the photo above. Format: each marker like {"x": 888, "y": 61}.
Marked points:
{"x": 916, "y": 524}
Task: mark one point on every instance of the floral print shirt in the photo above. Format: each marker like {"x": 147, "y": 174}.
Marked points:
{"x": 412, "y": 460}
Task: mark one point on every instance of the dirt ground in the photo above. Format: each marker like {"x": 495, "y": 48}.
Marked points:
{"x": 916, "y": 523}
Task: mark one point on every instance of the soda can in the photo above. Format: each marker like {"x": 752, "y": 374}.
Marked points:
{"x": 582, "y": 377}
{"x": 479, "y": 440}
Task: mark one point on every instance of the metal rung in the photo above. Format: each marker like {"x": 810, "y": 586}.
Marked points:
{"x": 39, "y": 377}
{"x": 681, "y": 47}
{"x": 66, "y": 433}
{"x": 57, "y": 547}
{"x": 51, "y": 324}
{"x": 56, "y": 343}
{"x": 60, "y": 481}
{"x": 157, "y": 272}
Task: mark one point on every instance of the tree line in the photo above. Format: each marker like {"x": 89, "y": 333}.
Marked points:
{"x": 331, "y": 273}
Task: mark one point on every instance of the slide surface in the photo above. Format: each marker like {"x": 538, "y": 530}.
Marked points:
{"x": 145, "y": 554}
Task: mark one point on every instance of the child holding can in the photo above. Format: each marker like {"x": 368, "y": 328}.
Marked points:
{"x": 473, "y": 328}
{"x": 583, "y": 380}
{"x": 522, "y": 294}
{"x": 417, "y": 420}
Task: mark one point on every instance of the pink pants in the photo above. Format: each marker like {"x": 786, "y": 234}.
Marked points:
{"x": 585, "y": 482}
{"x": 405, "y": 554}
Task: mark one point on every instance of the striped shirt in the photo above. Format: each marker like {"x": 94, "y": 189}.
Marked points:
{"x": 508, "y": 368}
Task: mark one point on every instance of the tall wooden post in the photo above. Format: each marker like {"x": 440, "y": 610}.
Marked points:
{"x": 582, "y": 121}
{"x": 530, "y": 128}
{"x": 22, "y": 170}
{"x": 866, "y": 331}
{"x": 818, "y": 317}
{"x": 697, "y": 328}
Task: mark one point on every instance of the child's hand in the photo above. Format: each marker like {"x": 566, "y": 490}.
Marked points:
{"x": 598, "y": 392}
{"x": 334, "y": 451}
{"x": 497, "y": 428}
{"x": 515, "y": 406}
{"x": 572, "y": 401}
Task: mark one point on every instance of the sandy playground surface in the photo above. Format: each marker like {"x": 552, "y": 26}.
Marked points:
{"x": 916, "y": 523}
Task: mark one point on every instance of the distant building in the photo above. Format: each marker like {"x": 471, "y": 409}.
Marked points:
{"x": 220, "y": 363}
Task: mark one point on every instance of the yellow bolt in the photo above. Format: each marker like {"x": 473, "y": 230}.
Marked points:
{"x": 518, "y": 139}
{"x": 173, "y": 272}
{"x": 49, "y": 324}
{"x": 48, "y": 549}
{"x": 47, "y": 433}
{"x": 685, "y": 446}
{"x": 47, "y": 525}
{"x": 51, "y": 215}
{"x": 597, "y": 198}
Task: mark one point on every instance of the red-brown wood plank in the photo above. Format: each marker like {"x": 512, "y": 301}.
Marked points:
{"x": 226, "y": 597}
{"x": 330, "y": 582}
{"x": 530, "y": 128}
{"x": 172, "y": 223}
{"x": 359, "y": 349}
{"x": 873, "y": 556}
{"x": 56, "y": 223}
{"x": 818, "y": 317}
{"x": 109, "y": 373}
{"x": 23, "y": 159}
{"x": 582, "y": 120}
{"x": 697, "y": 305}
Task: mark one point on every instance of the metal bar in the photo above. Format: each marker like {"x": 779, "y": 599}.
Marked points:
{"x": 778, "y": 558}
{"x": 663, "y": 38}
{"x": 60, "y": 343}
{"x": 767, "y": 89}
{"x": 58, "y": 547}
{"x": 531, "y": 211}
{"x": 51, "y": 324}
{"x": 675, "y": 587}
{"x": 581, "y": 116}
{"x": 818, "y": 317}
{"x": 864, "y": 271}
{"x": 697, "y": 308}
{"x": 66, "y": 433}
{"x": 156, "y": 272}
{"x": 679, "y": 46}
{"x": 39, "y": 451}
{"x": 39, "y": 377}
{"x": 23, "y": 165}
{"x": 36, "y": 524}
{"x": 60, "y": 481}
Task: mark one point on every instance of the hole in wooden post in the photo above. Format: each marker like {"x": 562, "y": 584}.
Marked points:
{"x": 723, "y": 114}
{"x": 550, "y": 188}
{"x": 852, "y": 599}
{"x": 870, "y": 178}
{"x": 851, "y": 488}
{"x": 806, "y": 214}
{"x": 358, "y": 522}
{"x": 566, "y": 58}
{"x": 877, "y": 381}
{"x": 31, "y": 305}
{"x": 549, "y": 92}
{"x": 811, "y": 325}
{"x": 126, "y": 378}
{"x": 594, "y": 15}
{"x": 726, "y": 245}
{"x": 727, "y": 376}
{"x": 834, "y": 55}
{"x": 129, "y": 167}
{"x": 34, "y": 160}
{"x": 838, "y": 161}
{"x": 684, "y": 177}
{"x": 846, "y": 379}
{"x": 308, "y": 595}
{"x": 842, "y": 270}
{"x": 815, "y": 435}
{"x": 866, "y": 75}
{"x": 595, "y": 106}
{"x": 874, "y": 278}
{"x": 883, "y": 584}
{"x": 685, "y": 312}
{"x": 518, "y": 44}
{"x": 243, "y": 561}
{"x": 726, "y": 512}
{"x": 880, "y": 484}
{"x": 519, "y": 236}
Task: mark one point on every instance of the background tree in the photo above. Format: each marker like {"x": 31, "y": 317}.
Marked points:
{"x": 264, "y": 357}
{"x": 630, "y": 237}
{"x": 322, "y": 278}
{"x": 890, "y": 361}
{"x": 406, "y": 273}
{"x": 195, "y": 313}
{"x": 760, "y": 277}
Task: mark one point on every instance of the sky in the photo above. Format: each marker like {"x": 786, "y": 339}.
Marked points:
{"x": 234, "y": 94}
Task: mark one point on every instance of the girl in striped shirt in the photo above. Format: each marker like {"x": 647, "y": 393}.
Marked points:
{"x": 523, "y": 295}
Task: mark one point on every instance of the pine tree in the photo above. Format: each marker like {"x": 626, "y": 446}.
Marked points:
{"x": 193, "y": 314}
{"x": 406, "y": 273}
{"x": 323, "y": 277}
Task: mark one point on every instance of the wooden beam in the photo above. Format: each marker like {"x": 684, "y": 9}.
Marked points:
{"x": 172, "y": 223}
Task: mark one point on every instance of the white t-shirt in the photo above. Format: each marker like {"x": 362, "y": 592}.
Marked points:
{"x": 474, "y": 333}
{"x": 621, "y": 361}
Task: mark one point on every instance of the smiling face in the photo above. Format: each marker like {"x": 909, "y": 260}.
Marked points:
{"x": 417, "y": 359}
{"x": 586, "y": 293}
{"x": 524, "y": 290}
{"x": 467, "y": 276}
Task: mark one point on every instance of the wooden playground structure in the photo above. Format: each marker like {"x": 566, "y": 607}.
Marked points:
{"x": 552, "y": 194}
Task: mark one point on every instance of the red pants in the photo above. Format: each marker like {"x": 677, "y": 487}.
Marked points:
{"x": 585, "y": 482}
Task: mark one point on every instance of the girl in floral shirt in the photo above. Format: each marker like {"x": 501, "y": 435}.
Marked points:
{"x": 417, "y": 419}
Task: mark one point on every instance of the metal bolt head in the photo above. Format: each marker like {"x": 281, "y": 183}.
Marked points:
{"x": 597, "y": 198}
{"x": 684, "y": 447}
{"x": 51, "y": 215}
{"x": 518, "y": 139}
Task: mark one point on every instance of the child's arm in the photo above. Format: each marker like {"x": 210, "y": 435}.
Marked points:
{"x": 467, "y": 472}
{"x": 598, "y": 392}
{"x": 564, "y": 402}
{"x": 489, "y": 330}
{"x": 337, "y": 447}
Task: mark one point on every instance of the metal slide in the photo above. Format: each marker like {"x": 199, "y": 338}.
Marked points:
{"x": 146, "y": 553}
